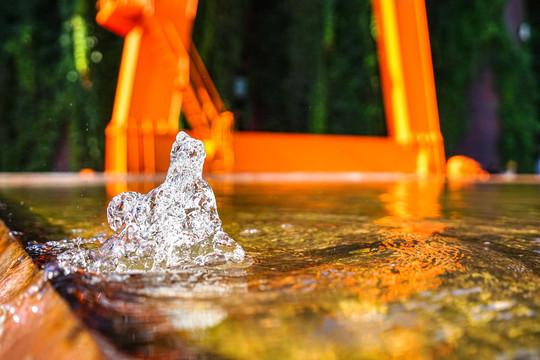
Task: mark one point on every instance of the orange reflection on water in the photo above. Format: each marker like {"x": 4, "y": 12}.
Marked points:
{"x": 408, "y": 256}
{"x": 413, "y": 239}
{"x": 412, "y": 264}
{"x": 401, "y": 265}
{"x": 413, "y": 199}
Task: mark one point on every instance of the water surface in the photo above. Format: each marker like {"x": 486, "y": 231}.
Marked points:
{"x": 395, "y": 268}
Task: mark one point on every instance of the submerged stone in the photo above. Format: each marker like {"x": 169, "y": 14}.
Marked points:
{"x": 173, "y": 226}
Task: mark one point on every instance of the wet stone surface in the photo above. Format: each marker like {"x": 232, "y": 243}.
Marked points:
{"x": 34, "y": 319}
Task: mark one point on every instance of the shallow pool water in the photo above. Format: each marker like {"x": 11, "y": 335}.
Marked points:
{"x": 396, "y": 267}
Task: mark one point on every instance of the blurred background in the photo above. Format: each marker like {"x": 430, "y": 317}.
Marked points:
{"x": 305, "y": 66}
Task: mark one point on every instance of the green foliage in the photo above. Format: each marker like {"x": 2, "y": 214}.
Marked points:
{"x": 45, "y": 101}
{"x": 466, "y": 37}
{"x": 219, "y": 36}
{"x": 518, "y": 92}
{"x": 311, "y": 65}
{"x": 355, "y": 99}
{"x": 27, "y": 87}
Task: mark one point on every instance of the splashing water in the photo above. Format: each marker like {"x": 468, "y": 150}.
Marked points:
{"x": 175, "y": 225}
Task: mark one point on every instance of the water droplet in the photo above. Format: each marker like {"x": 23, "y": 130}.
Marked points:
{"x": 96, "y": 57}
{"x": 72, "y": 76}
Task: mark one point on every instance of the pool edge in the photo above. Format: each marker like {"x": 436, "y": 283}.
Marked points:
{"x": 41, "y": 325}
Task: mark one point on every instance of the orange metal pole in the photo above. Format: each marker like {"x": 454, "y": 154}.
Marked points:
{"x": 391, "y": 71}
{"x": 116, "y": 157}
{"x": 407, "y": 80}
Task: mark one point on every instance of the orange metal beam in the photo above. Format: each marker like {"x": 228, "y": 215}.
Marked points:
{"x": 280, "y": 152}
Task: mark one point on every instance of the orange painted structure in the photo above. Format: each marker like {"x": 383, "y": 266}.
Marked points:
{"x": 161, "y": 72}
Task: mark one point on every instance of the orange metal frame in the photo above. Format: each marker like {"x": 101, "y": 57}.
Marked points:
{"x": 161, "y": 73}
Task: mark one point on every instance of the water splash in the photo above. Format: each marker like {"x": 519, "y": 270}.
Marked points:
{"x": 176, "y": 225}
